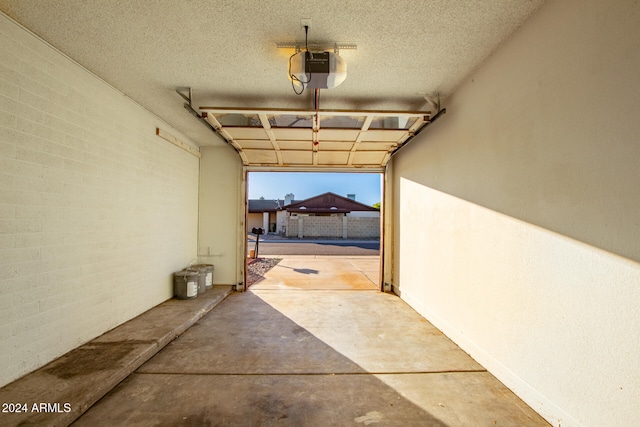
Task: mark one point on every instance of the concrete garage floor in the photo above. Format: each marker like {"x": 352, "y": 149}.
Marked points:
{"x": 311, "y": 358}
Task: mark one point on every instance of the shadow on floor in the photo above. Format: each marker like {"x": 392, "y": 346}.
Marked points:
{"x": 248, "y": 364}
{"x": 303, "y": 270}
{"x": 313, "y": 358}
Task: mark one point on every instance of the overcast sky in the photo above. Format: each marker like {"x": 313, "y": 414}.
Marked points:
{"x": 275, "y": 185}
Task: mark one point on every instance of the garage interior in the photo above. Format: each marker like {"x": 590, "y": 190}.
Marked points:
{"x": 511, "y": 222}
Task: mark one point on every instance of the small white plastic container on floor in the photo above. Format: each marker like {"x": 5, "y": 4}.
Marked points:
{"x": 185, "y": 284}
{"x": 206, "y": 280}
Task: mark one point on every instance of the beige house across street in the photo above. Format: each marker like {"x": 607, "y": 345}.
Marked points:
{"x": 326, "y": 215}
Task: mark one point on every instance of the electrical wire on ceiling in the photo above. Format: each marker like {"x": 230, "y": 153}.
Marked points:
{"x": 295, "y": 79}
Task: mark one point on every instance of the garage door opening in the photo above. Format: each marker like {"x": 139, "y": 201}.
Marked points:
{"x": 313, "y": 230}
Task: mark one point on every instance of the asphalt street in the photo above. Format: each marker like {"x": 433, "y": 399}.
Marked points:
{"x": 316, "y": 247}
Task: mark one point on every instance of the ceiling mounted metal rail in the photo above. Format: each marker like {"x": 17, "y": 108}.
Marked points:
{"x": 417, "y": 132}
{"x": 198, "y": 116}
{"x": 318, "y": 47}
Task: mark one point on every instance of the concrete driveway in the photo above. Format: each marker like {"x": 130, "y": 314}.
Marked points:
{"x": 322, "y": 273}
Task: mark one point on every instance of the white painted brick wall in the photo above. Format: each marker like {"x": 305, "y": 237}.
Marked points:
{"x": 96, "y": 212}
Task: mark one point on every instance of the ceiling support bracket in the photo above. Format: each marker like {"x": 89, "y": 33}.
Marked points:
{"x": 433, "y": 101}
{"x": 201, "y": 117}
{"x": 187, "y": 97}
{"x": 439, "y": 114}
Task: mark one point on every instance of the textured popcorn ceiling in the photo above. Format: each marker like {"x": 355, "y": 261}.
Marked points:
{"x": 226, "y": 50}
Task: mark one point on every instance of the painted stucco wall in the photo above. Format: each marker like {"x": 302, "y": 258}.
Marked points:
{"x": 527, "y": 198}
{"x": 220, "y": 232}
{"x": 96, "y": 211}
{"x": 257, "y": 220}
{"x": 254, "y": 220}
{"x": 281, "y": 222}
